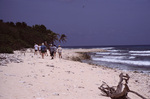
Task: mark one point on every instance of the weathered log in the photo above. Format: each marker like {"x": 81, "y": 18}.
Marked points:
{"x": 120, "y": 91}
{"x": 137, "y": 94}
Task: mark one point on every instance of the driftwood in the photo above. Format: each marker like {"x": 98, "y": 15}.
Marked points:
{"x": 120, "y": 91}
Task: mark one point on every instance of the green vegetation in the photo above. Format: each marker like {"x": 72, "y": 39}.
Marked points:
{"x": 82, "y": 56}
{"x": 15, "y": 36}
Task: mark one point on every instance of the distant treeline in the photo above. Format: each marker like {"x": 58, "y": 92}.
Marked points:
{"x": 15, "y": 36}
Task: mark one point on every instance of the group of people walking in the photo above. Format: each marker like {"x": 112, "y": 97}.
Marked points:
{"x": 52, "y": 50}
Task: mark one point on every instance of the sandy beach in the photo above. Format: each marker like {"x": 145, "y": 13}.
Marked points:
{"x": 37, "y": 78}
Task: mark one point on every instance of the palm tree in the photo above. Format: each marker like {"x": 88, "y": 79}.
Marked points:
{"x": 53, "y": 37}
{"x": 18, "y": 24}
{"x": 62, "y": 38}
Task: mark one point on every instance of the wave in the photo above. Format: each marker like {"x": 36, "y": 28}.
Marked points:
{"x": 118, "y": 53}
{"x": 102, "y": 53}
{"x": 142, "y": 52}
{"x": 132, "y": 57}
{"x": 107, "y": 48}
{"x": 119, "y": 57}
{"x": 114, "y": 50}
{"x": 114, "y": 57}
{"x": 109, "y": 53}
{"x": 139, "y": 63}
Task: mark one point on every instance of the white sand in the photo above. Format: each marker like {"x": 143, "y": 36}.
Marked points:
{"x": 37, "y": 78}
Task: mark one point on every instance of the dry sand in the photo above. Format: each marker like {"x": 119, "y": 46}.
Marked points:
{"x": 37, "y": 78}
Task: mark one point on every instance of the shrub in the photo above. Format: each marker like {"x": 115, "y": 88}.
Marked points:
{"x": 6, "y": 50}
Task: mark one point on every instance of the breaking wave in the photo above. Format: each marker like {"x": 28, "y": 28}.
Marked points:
{"x": 139, "y": 63}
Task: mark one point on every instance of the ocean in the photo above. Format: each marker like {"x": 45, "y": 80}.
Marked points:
{"x": 132, "y": 58}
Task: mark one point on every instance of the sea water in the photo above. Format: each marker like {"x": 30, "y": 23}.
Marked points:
{"x": 133, "y": 58}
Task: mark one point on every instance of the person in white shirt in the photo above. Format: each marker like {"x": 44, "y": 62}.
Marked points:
{"x": 36, "y": 49}
{"x": 59, "y": 51}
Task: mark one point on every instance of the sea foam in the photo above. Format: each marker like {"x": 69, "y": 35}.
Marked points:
{"x": 139, "y": 63}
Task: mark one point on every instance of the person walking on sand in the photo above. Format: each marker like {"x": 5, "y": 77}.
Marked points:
{"x": 55, "y": 50}
{"x": 59, "y": 51}
{"x": 35, "y": 49}
{"x": 43, "y": 50}
{"x": 52, "y": 50}
{"x": 40, "y": 49}
{"x": 46, "y": 48}
{"x": 50, "y": 45}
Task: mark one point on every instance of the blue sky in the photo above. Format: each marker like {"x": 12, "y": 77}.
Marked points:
{"x": 85, "y": 22}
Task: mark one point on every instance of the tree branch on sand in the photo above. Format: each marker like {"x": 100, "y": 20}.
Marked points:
{"x": 120, "y": 91}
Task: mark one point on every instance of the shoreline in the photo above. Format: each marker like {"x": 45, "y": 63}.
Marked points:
{"x": 85, "y": 56}
{"x": 37, "y": 78}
